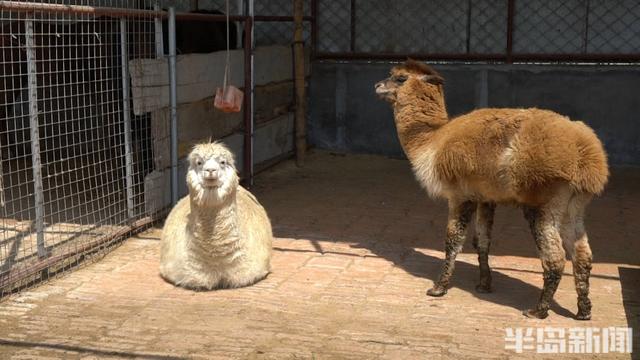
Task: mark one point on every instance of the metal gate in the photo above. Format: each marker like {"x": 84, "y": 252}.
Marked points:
{"x": 73, "y": 156}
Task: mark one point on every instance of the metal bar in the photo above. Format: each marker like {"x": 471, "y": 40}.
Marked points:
{"x": 352, "y": 31}
{"x": 314, "y": 28}
{"x": 585, "y": 41}
{"x": 157, "y": 23}
{"x": 468, "y": 44}
{"x": 35, "y": 137}
{"x": 404, "y": 56}
{"x": 510, "y": 14}
{"x": 300, "y": 118}
{"x": 23, "y": 7}
{"x": 248, "y": 104}
{"x": 274, "y": 18}
{"x": 239, "y": 7}
{"x": 174, "y": 105}
{"x": 126, "y": 113}
{"x": 19, "y": 6}
{"x": 608, "y": 58}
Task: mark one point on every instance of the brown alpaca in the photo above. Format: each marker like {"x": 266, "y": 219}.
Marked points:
{"x": 537, "y": 159}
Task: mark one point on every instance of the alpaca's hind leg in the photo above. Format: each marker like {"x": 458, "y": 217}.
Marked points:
{"x": 576, "y": 242}
{"x": 459, "y": 216}
{"x": 482, "y": 243}
{"x": 581, "y": 272}
{"x": 545, "y": 230}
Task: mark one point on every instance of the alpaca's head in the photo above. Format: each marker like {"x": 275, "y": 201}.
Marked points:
{"x": 212, "y": 176}
{"x": 408, "y": 78}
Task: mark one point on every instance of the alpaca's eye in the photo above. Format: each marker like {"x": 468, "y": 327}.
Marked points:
{"x": 401, "y": 79}
{"x": 199, "y": 162}
{"x": 223, "y": 162}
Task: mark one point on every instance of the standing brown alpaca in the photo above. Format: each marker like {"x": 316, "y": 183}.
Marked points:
{"x": 540, "y": 160}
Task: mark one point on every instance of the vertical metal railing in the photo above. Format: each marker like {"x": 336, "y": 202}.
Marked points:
{"x": 126, "y": 114}
{"x": 173, "y": 105}
{"x": 34, "y": 127}
{"x": 157, "y": 25}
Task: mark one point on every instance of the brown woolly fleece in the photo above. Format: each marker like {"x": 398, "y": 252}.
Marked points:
{"x": 544, "y": 162}
{"x": 500, "y": 155}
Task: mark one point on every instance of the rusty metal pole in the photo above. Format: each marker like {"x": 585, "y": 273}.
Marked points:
{"x": 298, "y": 50}
{"x": 247, "y": 167}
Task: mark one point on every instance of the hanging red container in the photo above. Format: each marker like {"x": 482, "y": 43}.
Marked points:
{"x": 228, "y": 99}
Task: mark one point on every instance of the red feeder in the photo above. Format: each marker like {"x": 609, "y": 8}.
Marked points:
{"x": 228, "y": 99}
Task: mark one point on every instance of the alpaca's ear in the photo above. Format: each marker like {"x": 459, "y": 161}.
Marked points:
{"x": 432, "y": 79}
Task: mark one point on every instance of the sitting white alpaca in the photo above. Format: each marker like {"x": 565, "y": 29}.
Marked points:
{"x": 218, "y": 235}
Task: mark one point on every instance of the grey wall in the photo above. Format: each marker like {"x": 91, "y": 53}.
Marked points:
{"x": 346, "y": 116}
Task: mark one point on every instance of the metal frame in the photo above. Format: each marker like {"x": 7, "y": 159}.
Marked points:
{"x": 126, "y": 112}
{"x": 173, "y": 98}
{"x": 23, "y": 12}
{"x": 34, "y": 126}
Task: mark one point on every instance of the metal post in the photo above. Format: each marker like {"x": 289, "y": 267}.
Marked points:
{"x": 35, "y": 137}
{"x": 314, "y": 28}
{"x": 352, "y": 26}
{"x": 174, "y": 105}
{"x": 239, "y": 7}
{"x": 252, "y": 86}
{"x": 511, "y": 6}
{"x": 585, "y": 41}
{"x": 299, "y": 84}
{"x": 126, "y": 113}
{"x": 248, "y": 98}
{"x": 157, "y": 22}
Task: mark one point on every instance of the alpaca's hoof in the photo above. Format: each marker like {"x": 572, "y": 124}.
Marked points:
{"x": 483, "y": 288}
{"x": 536, "y": 314}
{"x": 583, "y": 315}
{"x": 436, "y": 291}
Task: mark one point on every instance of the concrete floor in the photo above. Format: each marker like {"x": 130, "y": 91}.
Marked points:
{"x": 358, "y": 243}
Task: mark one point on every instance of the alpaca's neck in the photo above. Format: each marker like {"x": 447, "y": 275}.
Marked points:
{"x": 418, "y": 115}
{"x": 215, "y": 227}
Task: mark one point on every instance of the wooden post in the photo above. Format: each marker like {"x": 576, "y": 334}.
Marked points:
{"x": 298, "y": 51}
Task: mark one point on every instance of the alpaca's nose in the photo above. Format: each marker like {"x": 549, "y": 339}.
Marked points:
{"x": 210, "y": 173}
{"x": 378, "y": 84}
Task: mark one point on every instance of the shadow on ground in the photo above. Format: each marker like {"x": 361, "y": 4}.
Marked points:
{"x": 86, "y": 350}
{"x": 630, "y": 282}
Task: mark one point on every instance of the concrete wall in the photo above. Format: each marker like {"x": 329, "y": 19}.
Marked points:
{"x": 198, "y": 121}
{"x": 345, "y": 114}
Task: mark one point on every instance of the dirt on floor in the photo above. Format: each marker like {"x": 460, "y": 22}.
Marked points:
{"x": 357, "y": 245}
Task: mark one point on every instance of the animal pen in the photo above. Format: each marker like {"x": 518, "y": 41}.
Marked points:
{"x": 89, "y": 111}
{"x": 101, "y": 101}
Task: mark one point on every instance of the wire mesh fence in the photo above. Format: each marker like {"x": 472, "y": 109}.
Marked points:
{"x": 84, "y": 141}
{"x": 73, "y": 156}
{"x": 278, "y": 33}
{"x": 505, "y": 30}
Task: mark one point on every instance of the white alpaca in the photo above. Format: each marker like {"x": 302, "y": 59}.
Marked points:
{"x": 218, "y": 235}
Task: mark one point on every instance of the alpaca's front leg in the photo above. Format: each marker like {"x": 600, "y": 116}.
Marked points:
{"x": 460, "y": 213}
{"x": 482, "y": 243}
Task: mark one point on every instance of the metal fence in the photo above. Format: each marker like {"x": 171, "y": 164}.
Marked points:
{"x": 74, "y": 156}
{"x": 479, "y": 30}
